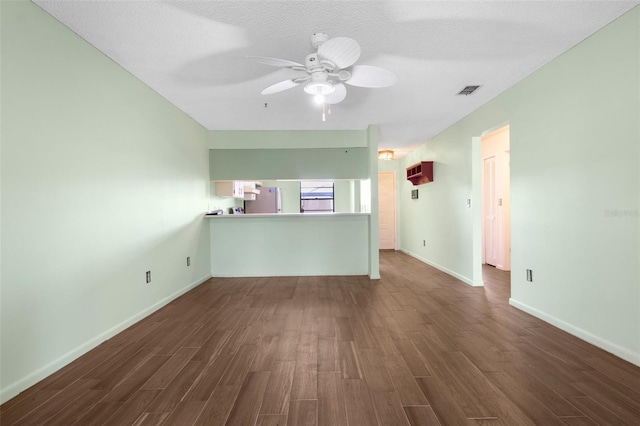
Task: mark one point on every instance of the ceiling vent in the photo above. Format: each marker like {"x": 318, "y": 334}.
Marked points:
{"x": 468, "y": 90}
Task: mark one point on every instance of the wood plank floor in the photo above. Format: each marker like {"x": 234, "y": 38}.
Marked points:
{"x": 415, "y": 348}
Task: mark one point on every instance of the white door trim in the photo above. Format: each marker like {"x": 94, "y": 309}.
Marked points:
{"x": 393, "y": 206}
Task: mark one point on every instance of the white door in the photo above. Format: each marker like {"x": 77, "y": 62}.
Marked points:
{"x": 489, "y": 207}
{"x": 387, "y": 209}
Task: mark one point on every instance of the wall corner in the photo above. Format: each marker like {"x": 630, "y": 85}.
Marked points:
{"x": 374, "y": 253}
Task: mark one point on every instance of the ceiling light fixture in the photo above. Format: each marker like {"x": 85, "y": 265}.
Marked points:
{"x": 319, "y": 88}
{"x": 385, "y": 154}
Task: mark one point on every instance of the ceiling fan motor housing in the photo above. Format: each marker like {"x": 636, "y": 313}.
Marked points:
{"x": 312, "y": 62}
{"x": 318, "y": 38}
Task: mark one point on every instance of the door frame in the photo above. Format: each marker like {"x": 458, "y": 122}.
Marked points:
{"x": 395, "y": 206}
{"x": 475, "y": 202}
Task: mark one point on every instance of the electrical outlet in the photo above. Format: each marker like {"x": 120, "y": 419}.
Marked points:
{"x": 529, "y": 275}
{"x": 148, "y": 277}
{"x": 424, "y": 243}
{"x": 188, "y": 261}
{"x": 469, "y": 203}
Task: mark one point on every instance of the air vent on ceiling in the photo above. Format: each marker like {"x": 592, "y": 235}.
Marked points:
{"x": 468, "y": 90}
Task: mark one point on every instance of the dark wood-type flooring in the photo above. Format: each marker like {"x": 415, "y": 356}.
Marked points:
{"x": 417, "y": 347}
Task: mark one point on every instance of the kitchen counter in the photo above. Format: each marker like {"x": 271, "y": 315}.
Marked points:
{"x": 282, "y": 215}
{"x": 286, "y": 244}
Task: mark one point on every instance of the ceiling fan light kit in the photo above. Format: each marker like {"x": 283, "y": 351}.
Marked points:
{"x": 331, "y": 65}
{"x": 319, "y": 87}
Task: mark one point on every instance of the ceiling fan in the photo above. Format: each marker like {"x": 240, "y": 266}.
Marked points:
{"x": 327, "y": 68}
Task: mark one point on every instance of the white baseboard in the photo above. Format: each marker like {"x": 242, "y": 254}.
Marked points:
{"x": 462, "y": 278}
{"x": 619, "y": 351}
{"x": 33, "y": 378}
{"x": 292, "y": 274}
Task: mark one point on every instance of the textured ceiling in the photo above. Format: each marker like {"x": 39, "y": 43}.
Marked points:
{"x": 194, "y": 54}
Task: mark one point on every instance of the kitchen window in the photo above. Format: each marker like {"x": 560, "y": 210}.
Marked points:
{"x": 316, "y": 196}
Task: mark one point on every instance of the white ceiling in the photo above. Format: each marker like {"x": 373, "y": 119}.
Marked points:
{"x": 194, "y": 54}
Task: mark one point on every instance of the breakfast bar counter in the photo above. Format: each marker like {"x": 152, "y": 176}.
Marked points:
{"x": 289, "y": 244}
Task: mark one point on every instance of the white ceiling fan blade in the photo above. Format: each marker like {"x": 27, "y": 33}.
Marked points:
{"x": 275, "y": 62}
{"x": 279, "y": 87}
{"x": 337, "y": 95}
{"x": 370, "y": 76}
{"x": 342, "y": 51}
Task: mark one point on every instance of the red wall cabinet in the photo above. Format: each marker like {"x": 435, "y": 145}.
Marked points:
{"x": 420, "y": 173}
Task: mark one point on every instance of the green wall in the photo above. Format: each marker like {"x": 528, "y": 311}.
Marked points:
{"x": 102, "y": 180}
{"x": 286, "y": 139}
{"x": 343, "y": 196}
{"x": 309, "y": 163}
{"x": 291, "y": 154}
{"x": 289, "y": 245}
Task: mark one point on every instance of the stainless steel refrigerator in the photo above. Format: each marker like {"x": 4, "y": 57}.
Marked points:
{"x": 267, "y": 201}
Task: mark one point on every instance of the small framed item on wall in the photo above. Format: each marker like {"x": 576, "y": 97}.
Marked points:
{"x": 414, "y": 194}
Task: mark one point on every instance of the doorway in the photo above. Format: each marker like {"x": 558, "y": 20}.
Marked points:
{"x": 495, "y": 154}
{"x": 387, "y": 210}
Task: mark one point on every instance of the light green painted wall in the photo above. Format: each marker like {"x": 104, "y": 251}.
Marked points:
{"x": 374, "y": 221}
{"x": 293, "y": 245}
{"x": 311, "y": 163}
{"x": 343, "y": 196}
{"x": 222, "y": 203}
{"x": 102, "y": 180}
{"x": 286, "y": 139}
{"x": 389, "y": 165}
{"x": 575, "y": 159}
